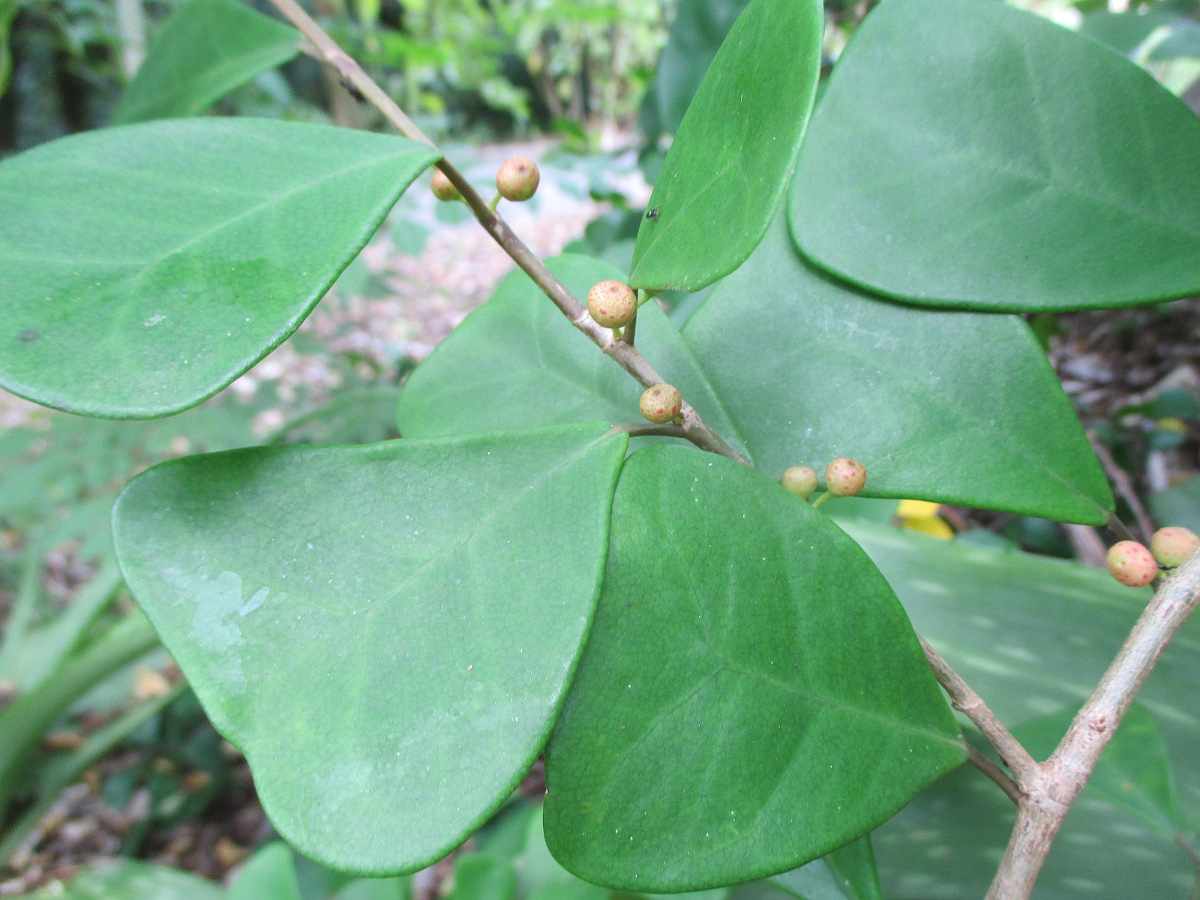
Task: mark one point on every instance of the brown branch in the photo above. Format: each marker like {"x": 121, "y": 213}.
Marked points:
{"x": 1120, "y": 479}
{"x": 970, "y": 704}
{"x": 350, "y": 72}
{"x": 993, "y": 771}
{"x": 625, "y": 355}
{"x": 1060, "y": 779}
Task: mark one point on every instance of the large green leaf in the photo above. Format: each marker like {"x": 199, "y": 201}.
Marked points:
{"x": 696, "y": 34}
{"x": 751, "y": 697}
{"x": 971, "y": 154}
{"x": 1032, "y": 635}
{"x": 155, "y": 263}
{"x": 955, "y": 407}
{"x": 387, "y": 630}
{"x": 725, "y": 174}
{"x": 204, "y": 50}
{"x": 516, "y": 362}
{"x": 269, "y": 873}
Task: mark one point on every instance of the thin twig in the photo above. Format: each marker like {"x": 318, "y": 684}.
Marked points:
{"x": 1063, "y": 776}
{"x": 350, "y": 71}
{"x": 625, "y": 354}
{"x": 993, "y": 771}
{"x": 1121, "y": 481}
{"x": 965, "y": 700}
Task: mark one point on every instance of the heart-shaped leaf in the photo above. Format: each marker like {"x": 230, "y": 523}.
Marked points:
{"x": 205, "y": 49}
{"x": 516, "y": 362}
{"x": 968, "y": 153}
{"x": 751, "y": 696}
{"x": 155, "y": 263}
{"x": 733, "y": 155}
{"x": 386, "y": 631}
{"x": 955, "y": 407}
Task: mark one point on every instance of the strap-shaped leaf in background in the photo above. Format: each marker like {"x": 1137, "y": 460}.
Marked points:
{"x": 751, "y": 696}
{"x": 146, "y": 267}
{"x": 386, "y": 631}
{"x": 516, "y": 362}
{"x": 975, "y": 606}
{"x": 735, "y": 150}
{"x": 971, "y": 154}
{"x": 848, "y": 873}
{"x": 955, "y": 407}
{"x": 205, "y": 49}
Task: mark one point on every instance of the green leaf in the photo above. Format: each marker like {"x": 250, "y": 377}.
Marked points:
{"x": 736, "y": 624}
{"x": 1133, "y": 773}
{"x": 8, "y": 11}
{"x": 696, "y": 34}
{"x": 205, "y": 49}
{"x": 130, "y": 880}
{"x": 971, "y": 154}
{"x": 156, "y": 263}
{"x": 269, "y": 873}
{"x": 482, "y": 876}
{"x": 386, "y": 631}
{"x": 1124, "y": 32}
{"x": 725, "y": 174}
{"x": 847, "y": 873}
{"x": 1178, "y": 504}
{"x": 960, "y": 408}
{"x": 516, "y": 362}
{"x": 1033, "y": 636}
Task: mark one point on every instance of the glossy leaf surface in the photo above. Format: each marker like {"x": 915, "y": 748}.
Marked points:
{"x": 955, "y": 407}
{"x": 975, "y": 605}
{"x": 733, "y": 155}
{"x": 155, "y": 263}
{"x": 204, "y": 50}
{"x": 751, "y": 696}
{"x": 516, "y": 362}
{"x": 386, "y": 631}
{"x": 971, "y": 154}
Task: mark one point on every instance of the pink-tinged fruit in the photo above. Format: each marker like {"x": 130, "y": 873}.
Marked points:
{"x": 1172, "y": 546}
{"x": 612, "y": 304}
{"x": 518, "y": 178}
{"x": 800, "y": 480}
{"x": 845, "y": 477}
{"x": 442, "y": 188}
{"x": 661, "y": 403}
{"x": 1131, "y": 563}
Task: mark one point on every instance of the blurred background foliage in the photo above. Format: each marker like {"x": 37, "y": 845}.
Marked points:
{"x": 481, "y": 69}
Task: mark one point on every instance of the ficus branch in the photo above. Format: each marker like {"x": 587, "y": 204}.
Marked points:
{"x": 623, "y": 353}
{"x": 1047, "y": 797}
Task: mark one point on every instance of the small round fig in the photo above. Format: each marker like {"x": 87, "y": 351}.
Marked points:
{"x": 1131, "y": 563}
{"x": 800, "y": 480}
{"x": 518, "y": 178}
{"x": 661, "y": 403}
{"x": 1172, "y": 545}
{"x": 442, "y": 188}
{"x": 845, "y": 477}
{"x": 612, "y": 304}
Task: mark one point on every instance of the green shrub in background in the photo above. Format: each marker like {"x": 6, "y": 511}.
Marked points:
{"x": 724, "y": 679}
